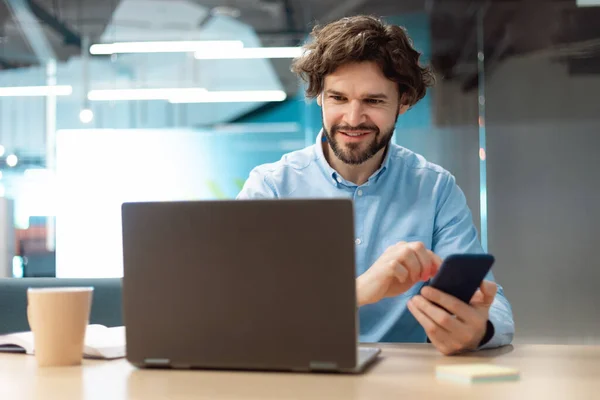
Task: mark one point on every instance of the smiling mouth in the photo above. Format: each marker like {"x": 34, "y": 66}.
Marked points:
{"x": 355, "y": 134}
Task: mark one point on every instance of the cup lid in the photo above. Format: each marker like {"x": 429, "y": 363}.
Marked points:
{"x": 65, "y": 289}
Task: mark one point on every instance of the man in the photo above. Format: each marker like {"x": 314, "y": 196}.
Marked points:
{"x": 409, "y": 213}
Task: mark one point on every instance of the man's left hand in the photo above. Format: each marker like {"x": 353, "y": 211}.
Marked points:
{"x": 463, "y": 326}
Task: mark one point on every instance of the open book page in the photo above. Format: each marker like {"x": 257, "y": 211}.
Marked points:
{"x": 17, "y": 342}
{"x": 100, "y": 342}
{"x": 103, "y": 342}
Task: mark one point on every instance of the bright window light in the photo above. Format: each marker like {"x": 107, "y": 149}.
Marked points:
{"x": 233, "y": 96}
{"x": 18, "y": 91}
{"x": 245, "y": 53}
{"x": 17, "y": 267}
{"x": 588, "y": 3}
{"x": 165, "y": 46}
{"x": 37, "y": 173}
{"x": 142, "y": 94}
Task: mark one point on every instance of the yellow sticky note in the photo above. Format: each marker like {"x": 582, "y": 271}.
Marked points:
{"x": 472, "y": 373}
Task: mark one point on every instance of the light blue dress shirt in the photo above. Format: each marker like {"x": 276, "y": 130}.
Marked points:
{"x": 407, "y": 199}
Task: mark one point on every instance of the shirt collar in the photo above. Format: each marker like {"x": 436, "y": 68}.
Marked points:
{"x": 333, "y": 175}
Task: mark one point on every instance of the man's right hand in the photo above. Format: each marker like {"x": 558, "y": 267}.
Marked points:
{"x": 396, "y": 271}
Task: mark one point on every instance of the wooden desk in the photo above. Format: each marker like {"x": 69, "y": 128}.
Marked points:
{"x": 403, "y": 372}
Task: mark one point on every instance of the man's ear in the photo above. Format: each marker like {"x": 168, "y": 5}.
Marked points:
{"x": 320, "y": 99}
{"x": 403, "y": 108}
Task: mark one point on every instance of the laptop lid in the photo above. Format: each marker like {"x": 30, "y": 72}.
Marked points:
{"x": 243, "y": 284}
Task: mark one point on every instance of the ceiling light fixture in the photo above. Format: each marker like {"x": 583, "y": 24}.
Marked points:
{"x": 249, "y": 53}
{"x": 141, "y": 94}
{"x": 233, "y": 96}
{"x": 27, "y": 91}
{"x": 180, "y": 46}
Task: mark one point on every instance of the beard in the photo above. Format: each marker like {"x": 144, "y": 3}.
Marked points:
{"x": 358, "y": 153}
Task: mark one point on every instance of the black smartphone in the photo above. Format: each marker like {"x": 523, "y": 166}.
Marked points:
{"x": 460, "y": 275}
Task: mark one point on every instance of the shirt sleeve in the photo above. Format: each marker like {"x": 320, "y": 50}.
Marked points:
{"x": 257, "y": 186}
{"x": 454, "y": 232}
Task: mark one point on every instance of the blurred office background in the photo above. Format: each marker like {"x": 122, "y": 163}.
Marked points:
{"x": 92, "y": 115}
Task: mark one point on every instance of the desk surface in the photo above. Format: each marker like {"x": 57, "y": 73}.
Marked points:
{"x": 403, "y": 371}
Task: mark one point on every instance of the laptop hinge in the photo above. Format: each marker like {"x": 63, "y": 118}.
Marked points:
{"x": 157, "y": 362}
{"x": 323, "y": 366}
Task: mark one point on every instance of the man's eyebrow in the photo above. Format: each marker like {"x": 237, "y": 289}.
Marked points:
{"x": 381, "y": 96}
{"x": 334, "y": 92}
{"x": 376, "y": 96}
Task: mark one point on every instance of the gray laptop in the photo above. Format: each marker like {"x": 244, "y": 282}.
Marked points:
{"x": 242, "y": 284}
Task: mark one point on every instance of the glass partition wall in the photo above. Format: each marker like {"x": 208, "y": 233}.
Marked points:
{"x": 105, "y": 102}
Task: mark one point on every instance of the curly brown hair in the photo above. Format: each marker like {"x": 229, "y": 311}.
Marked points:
{"x": 364, "y": 38}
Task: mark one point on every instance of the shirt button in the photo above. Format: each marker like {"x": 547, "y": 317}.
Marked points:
{"x": 360, "y": 192}
{"x": 338, "y": 179}
{"x": 358, "y": 241}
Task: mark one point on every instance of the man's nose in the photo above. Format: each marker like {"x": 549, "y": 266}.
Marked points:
{"x": 355, "y": 113}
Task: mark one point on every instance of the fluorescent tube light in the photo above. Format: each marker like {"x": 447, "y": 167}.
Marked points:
{"x": 142, "y": 94}
{"x": 250, "y": 52}
{"x": 233, "y": 96}
{"x": 165, "y": 46}
{"x": 18, "y": 91}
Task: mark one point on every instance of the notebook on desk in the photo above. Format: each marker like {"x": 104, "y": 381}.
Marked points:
{"x": 100, "y": 342}
{"x": 242, "y": 285}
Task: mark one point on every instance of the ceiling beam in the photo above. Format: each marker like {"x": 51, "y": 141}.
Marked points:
{"x": 31, "y": 29}
{"x": 19, "y": 58}
{"x": 5, "y": 64}
{"x": 69, "y": 36}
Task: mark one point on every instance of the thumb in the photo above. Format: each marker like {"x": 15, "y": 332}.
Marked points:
{"x": 485, "y": 295}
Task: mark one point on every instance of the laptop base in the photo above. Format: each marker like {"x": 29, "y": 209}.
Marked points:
{"x": 366, "y": 357}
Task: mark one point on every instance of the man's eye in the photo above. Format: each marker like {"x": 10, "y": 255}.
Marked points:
{"x": 373, "y": 101}
{"x": 337, "y": 98}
